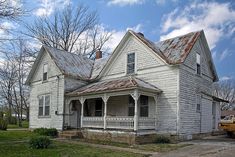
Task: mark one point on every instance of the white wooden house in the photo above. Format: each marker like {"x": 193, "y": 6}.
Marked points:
{"x": 142, "y": 88}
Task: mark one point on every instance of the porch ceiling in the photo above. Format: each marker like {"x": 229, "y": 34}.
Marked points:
{"x": 125, "y": 83}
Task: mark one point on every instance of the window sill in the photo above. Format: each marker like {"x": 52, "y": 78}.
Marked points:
{"x": 45, "y": 81}
{"x": 44, "y": 116}
{"x": 133, "y": 74}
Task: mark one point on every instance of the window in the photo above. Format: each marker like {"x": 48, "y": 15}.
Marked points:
{"x": 44, "y": 105}
{"x": 98, "y": 107}
{"x": 130, "y": 63}
{"x": 198, "y": 64}
{"x": 144, "y": 106}
{"x": 45, "y": 69}
{"x": 198, "y": 101}
{"x": 198, "y": 109}
{"x": 131, "y": 106}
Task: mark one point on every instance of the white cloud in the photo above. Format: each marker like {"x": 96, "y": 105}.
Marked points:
{"x": 214, "y": 18}
{"x": 118, "y": 35}
{"x": 124, "y": 2}
{"x": 225, "y": 78}
{"x": 224, "y": 54}
{"x": 47, "y": 7}
{"x": 162, "y": 2}
{"x": 137, "y": 28}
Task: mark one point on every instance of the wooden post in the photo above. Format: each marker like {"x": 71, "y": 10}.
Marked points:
{"x": 136, "y": 97}
{"x": 82, "y": 101}
{"x": 105, "y": 99}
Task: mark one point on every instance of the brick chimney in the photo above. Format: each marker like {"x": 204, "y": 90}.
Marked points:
{"x": 141, "y": 34}
{"x": 98, "y": 54}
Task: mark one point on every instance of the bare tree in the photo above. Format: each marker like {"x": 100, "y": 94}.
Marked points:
{"x": 13, "y": 73}
{"x": 73, "y": 30}
{"x": 10, "y": 9}
{"x": 226, "y": 91}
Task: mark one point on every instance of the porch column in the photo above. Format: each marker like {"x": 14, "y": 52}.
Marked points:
{"x": 136, "y": 97}
{"x": 105, "y": 99}
{"x": 156, "y": 102}
{"x": 82, "y": 101}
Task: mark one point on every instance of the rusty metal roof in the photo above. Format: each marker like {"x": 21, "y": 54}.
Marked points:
{"x": 71, "y": 64}
{"x": 115, "y": 85}
{"x": 174, "y": 50}
{"x": 97, "y": 67}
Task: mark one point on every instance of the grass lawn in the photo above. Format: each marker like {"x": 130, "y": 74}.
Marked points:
{"x": 25, "y": 124}
{"x": 10, "y": 148}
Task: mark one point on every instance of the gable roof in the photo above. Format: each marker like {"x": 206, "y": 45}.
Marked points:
{"x": 115, "y": 85}
{"x": 69, "y": 64}
{"x": 172, "y": 51}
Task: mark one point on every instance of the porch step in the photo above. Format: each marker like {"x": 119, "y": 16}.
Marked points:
{"x": 71, "y": 134}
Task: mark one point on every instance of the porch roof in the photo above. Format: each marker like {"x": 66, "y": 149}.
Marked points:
{"x": 120, "y": 84}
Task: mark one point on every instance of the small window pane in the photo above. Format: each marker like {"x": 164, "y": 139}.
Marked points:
{"x": 143, "y": 106}
{"x": 45, "y": 66}
{"x": 45, "y": 69}
{"x": 40, "y": 112}
{"x": 130, "y": 68}
{"x": 198, "y": 109}
{"x": 198, "y": 59}
{"x": 47, "y": 110}
{"x": 131, "y": 58}
{"x": 41, "y": 101}
{"x": 44, "y": 76}
{"x": 198, "y": 69}
{"x": 47, "y": 100}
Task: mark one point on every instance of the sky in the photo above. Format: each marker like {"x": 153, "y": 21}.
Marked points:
{"x": 159, "y": 20}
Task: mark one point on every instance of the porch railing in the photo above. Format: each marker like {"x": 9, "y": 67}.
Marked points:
{"x": 93, "y": 122}
{"x": 120, "y": 122}
{"x": 146, "y": 123}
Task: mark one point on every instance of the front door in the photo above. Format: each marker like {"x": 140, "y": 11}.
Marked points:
{"x": 75, "y": 116}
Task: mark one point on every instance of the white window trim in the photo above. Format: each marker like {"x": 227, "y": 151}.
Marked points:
{"x": 200, "y": 63}
{"x": 135, "y": 71}
{"x": 44, "y": 105}
{"x": 43, "y": 71}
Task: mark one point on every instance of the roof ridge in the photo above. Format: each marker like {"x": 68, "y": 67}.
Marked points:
{"x": 178, "y": 36}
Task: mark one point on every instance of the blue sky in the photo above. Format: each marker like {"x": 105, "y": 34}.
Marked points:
{"x": 162, "y": 19}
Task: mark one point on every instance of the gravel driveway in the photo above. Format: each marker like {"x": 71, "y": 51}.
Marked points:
{"x": 213, "y": 146}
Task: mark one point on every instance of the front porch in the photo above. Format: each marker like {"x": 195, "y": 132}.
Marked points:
{"x": 127, "y": 109}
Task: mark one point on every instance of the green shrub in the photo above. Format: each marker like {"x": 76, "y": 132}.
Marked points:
{"x": 12, "y": 120}
{"x": 52, "y": 132}
{"x": 39, "y": 142}
{"x": 3, "y": 124}
{"x": 162, "y": 139}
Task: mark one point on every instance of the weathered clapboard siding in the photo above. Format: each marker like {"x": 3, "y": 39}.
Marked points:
{"x": 153, "y": 70}
{"x": 55, "y": 88}
{"x": 192, "y": 84}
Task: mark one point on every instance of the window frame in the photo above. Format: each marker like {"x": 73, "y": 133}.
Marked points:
{"x": 198, "y": 64}
{"x": 44, "y": 105}
{"x": 127, "y": 63}
{"x": 43, "y": 72}
{"x": 144, "y": 105}
{"x": 198, "y": 103}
